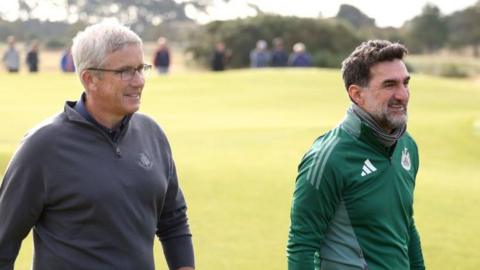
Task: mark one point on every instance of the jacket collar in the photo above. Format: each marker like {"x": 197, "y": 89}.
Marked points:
{"x": 353, "y": 125}
{"x": 76, "y": 111}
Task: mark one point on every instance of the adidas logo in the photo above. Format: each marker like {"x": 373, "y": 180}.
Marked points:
{"x": 368, "y": 168}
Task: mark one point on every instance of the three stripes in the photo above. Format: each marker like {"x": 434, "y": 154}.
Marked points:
{"x": 320, "y": 159}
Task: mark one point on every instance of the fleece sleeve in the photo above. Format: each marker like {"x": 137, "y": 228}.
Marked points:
{"x": 414, "y": 246}
{"x": 173, "y": 229}
{"x": 21, "y": 202}
{"x": 316, "y": 196}
{"x": 415, "y": 250}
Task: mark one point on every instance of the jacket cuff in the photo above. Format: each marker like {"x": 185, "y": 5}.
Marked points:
{"x": 179, "y": 252}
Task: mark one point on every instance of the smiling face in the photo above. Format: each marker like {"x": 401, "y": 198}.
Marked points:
{"x": 386, "y": 96}
{"x": 109, "y": 98}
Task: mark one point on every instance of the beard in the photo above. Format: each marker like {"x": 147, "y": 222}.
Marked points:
{"x": 388, "y": 118}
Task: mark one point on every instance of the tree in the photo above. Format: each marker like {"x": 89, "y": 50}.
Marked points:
{"x": 354, "y": 16}
{"x": 428, "y": 31}
{"x": 328, "y": 41}
{"x": 139, "y": 14}
{"x": 149, "y": 18}
{"x": 464, "y": 30}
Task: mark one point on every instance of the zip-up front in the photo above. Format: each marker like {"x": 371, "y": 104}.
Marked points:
{"x": 353, "y": 203}
{"x": 117, "y": 151}
{"x": 86, "y": 213}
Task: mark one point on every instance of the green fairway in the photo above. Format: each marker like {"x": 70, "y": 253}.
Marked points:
{"x": 237, "y": 138}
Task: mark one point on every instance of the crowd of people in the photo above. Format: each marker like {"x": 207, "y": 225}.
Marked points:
{"x": 12, "y": 60}
{"x": 261, "y": 56}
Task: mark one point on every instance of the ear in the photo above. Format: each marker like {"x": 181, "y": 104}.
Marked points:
{"x": 89, "y": 80}
{"x": 356, "y": 94}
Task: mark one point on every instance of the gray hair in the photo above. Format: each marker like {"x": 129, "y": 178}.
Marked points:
{"x": 92, "y": 45}
{"x": 262, "y": 44}
{"x": 299, "y": 47}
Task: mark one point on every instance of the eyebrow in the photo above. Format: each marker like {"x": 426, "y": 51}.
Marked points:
{"x": 389, "y": 81}
{"x": 129, "y": 67}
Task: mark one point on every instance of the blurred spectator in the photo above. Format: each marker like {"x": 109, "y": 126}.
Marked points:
{"x": 161, "y": 60}
{"x": 11, "y": 57}
{"x": 260, "y": 56}
{"x": 32, "y": 57}
{"x": 279, "y": 56}
{"x": 299, "y": 57}
{"x": 219, "y": 57}
{"x": 66, "y": 62}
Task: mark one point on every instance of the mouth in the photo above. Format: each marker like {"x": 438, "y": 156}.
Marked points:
{"x": 133, "y": 95}
{"x": 397, "y": 108}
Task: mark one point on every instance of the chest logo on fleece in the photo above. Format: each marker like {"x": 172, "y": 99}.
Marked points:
{"x": 406, "y": 163}
{"x": 144, "y": 161}
{"x": 368, "y": 168}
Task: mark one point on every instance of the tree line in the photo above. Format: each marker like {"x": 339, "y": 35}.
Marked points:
{"x": 327, "y": 39}
{"x": 330, "y": 40}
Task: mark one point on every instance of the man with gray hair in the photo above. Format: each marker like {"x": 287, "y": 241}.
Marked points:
{"x": 352, "y": 206}
{"x": 11, "y": 57}
{"x": 260, "y": 56}
{"x": 105, "y": 182}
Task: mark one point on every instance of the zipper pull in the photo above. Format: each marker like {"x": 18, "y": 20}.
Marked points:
{"x": 117, "y": 151}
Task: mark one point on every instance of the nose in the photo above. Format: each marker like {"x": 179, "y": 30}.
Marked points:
{"x": 402, "y": 93}
{"x": 138, "y": 79}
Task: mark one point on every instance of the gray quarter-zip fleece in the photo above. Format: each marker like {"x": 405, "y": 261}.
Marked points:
{"x": 93, "y": 203}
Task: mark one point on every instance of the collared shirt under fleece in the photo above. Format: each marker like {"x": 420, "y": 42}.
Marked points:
{"x": 352, "y": 206}
{"x": 93, "y": 203}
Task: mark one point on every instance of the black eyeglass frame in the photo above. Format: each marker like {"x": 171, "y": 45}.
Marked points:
{"x": 126, "y": 71}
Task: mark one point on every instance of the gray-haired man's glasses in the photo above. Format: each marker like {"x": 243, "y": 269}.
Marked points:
{"x": 127, "y": 74}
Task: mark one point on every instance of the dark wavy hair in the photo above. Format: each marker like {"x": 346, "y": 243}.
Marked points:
{"x": 356, "y": 67}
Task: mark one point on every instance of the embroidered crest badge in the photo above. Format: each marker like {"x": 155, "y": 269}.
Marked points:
{"x": 144, "y": 161}
{"x": 406, "y": 163}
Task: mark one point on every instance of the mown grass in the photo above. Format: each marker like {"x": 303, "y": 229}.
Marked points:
{"x": 238, "y": 136}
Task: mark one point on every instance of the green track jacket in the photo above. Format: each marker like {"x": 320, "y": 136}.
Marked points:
{"x": 353, "y": 203}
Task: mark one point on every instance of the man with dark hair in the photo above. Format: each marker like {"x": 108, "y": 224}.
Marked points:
{"x": 219, "y": 57}
{"x": 98, "y": 181}
{"x": 161, "y": 58}
{"x": 353, "y": 201}
{"x": 279, "y": 55}
{"x": 32, "y": 57}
